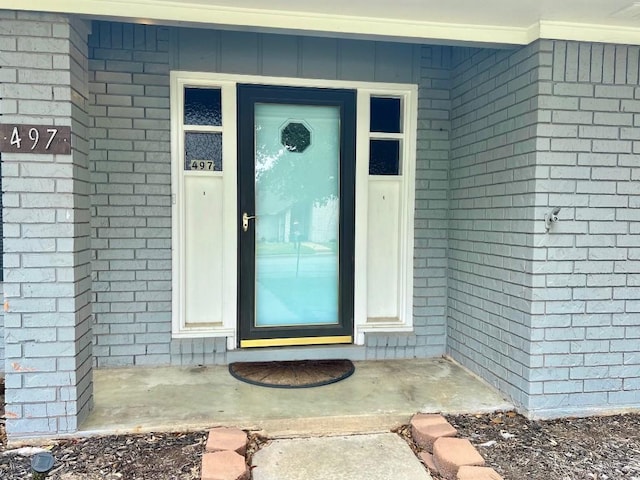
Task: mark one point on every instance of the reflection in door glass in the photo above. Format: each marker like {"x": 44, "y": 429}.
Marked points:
{"x": 297, "y": 207}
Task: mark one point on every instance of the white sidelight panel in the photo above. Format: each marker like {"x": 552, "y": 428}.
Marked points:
{"x": 383, "y": 252}
{"x": 204, "y": 250}
{"x": 204, "y": 214}
{"x": 385, "y": 194}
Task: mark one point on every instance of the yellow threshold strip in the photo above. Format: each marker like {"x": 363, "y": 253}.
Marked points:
{"x": 285, "y": 342}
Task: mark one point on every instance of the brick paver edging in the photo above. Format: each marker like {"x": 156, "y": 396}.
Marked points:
{"x": 444, "y": 454}
{"x": 224, "y": 457}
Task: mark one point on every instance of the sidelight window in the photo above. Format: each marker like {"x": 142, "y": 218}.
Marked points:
{"x": 385, "y": 136}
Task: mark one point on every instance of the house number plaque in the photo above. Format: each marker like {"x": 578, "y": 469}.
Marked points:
{"x": 44, "y": 139}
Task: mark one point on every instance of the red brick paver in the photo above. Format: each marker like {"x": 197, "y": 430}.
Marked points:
{"x": 427, "y": 428}
{"x": 232, "y": 439}
{"x": 467, "y": 472}
{"x": 224, "y": 465}
{"x": 449, "y": 454}
{"x": 427, "y": 459}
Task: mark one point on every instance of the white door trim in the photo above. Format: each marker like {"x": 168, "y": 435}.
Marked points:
{"x": 226, "y": 325}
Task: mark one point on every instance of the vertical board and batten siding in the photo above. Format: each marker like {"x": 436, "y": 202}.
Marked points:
{"x": 292, "y": 56}
{"x": 586, "y": 298}
{"x": 131, "y": 167}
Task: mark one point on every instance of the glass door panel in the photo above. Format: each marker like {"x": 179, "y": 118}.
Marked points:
{"x": 297, "y": 215}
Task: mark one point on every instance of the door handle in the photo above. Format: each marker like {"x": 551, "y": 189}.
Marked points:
{"x": 245, "y": 221}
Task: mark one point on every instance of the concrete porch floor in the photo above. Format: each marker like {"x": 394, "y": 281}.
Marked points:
{"x": 380, "y": 395}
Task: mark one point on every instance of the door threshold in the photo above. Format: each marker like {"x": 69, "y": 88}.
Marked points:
{"x": 288, "y": 342}
{"x": 309, "y": 352}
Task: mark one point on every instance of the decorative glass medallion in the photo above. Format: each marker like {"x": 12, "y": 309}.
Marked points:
{"x": 295, "y": 137}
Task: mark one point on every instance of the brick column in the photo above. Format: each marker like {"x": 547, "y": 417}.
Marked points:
{"x": 47, "y": 282}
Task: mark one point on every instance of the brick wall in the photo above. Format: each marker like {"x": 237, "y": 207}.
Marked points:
{"x": 586, "y": 312}
{"x": 551, "y": 318}
{"x": 47, "y": 322}
{"x": 430, "y": 244}
{"x": 491, "y": 213}
{"x": 131, "y": 193}
{"x": 430, "y": 249}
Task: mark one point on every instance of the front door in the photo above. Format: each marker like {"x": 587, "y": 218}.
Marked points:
{"x": 296, "y": 175}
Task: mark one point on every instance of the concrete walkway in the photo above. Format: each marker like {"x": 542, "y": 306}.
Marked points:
{"x": 381, "y": 456}
{"x": 379, "y": 396}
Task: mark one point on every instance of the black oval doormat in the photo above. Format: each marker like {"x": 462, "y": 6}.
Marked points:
{"x": 292, "y": 374}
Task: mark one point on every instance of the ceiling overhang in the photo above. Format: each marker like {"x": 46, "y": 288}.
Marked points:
{"x": 613, "y": 27}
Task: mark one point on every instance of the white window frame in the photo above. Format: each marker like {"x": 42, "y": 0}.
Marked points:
{"x": 408, "y": 93}
{"x": 180, "y": 326}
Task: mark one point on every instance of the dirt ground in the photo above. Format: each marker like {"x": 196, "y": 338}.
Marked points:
{"x": 594, "y": 448}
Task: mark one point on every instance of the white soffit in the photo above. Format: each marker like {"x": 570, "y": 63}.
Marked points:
{"x": 451, "y": 21}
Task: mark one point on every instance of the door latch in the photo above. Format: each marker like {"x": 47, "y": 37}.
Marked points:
{"x": 245, "y": 221}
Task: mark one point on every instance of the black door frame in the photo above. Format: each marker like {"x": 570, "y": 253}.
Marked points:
{"x": 248, "y": 96}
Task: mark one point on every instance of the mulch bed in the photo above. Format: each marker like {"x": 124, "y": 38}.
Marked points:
{"x": 594, "y": 448}
{"x": 171, "y": 456}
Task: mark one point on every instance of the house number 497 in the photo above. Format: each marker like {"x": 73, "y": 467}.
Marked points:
{"x": 35, "y": 139}
{"x": 34, "y": 136}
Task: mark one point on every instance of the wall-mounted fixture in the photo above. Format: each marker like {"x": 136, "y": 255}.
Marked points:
{"x": 551, "y": 217}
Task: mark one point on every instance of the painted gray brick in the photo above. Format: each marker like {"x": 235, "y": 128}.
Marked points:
{"x": 563, "y": 386}
{"x": 630, "y": 397}
{"x": 595, "y": 218}
{"x": 126, "y": 302}
{"x": 31, "y": 300}
{"x": 468, "y": 261}
{"x": 617, "y": 119}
